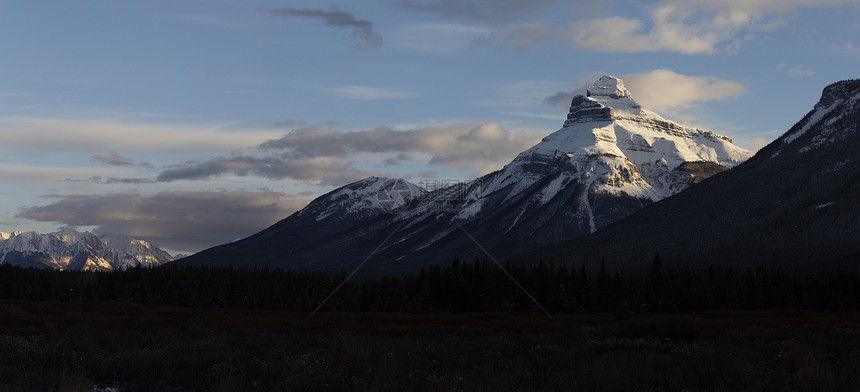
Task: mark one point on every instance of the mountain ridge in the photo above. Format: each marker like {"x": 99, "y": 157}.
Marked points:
{"x": 71, "y": 250}
{"x": 610, "y": 158}
{"x": 793, "y": 205}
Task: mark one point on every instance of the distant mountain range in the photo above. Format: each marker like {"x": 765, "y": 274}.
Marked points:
{"x": 71, "y": 250}
{"x": 794, "y": 205}
{"x": 610, "y": 159}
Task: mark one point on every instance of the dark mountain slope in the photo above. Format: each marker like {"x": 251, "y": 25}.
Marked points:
{"x": 794, "y": 205}
{"x": 610, "y": 158}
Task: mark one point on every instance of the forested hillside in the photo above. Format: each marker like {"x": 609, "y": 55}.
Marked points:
{"x": 480, "y": 286}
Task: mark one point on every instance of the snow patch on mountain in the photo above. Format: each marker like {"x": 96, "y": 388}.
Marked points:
{"x": 820, "y": 113}
{"x": 830, "y": 118}
{"x": 365, "y": 196}
{"x": 830, "y": 130}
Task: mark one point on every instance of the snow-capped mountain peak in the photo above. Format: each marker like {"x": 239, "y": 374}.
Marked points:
{"x": 611, "y": 143}
{"x": 606, "y": 100}
{"x": 69, "y": 249}
{"x": 610, "y": 158}
{"x": 609, "y": 86}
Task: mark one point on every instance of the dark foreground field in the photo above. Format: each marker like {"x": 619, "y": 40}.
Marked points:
{"x": 125, "y": 347}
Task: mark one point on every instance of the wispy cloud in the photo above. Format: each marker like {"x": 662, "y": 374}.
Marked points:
{"x": 22, "y": 174}
{"x": 361, "y": 29}
{"x": 521, "y": 94}
{"x": 756, "y": 143}
{"x": 241, "y": 92}
{"x": 116, "y": 180}
{"x": 439, "y": 37}
{"x": 214, "y": 21}
{"x": 795, "y": 71}
{"x": 185, "y": 221}
{"x": 486, "y": 11}
{"x": 35, "y": 136}
{"x": 461, "y": 146}
{"x": 667, "y": 32}
{"x": 289, "y": 122}
{"x": 323, "y": 170}
{"x": 665, "y": 89}
{"x": 847, "y": 47}
{"x": 562, "y": 99}
{"x": 329, "y": 157}
{"x": 688, "y": 27}
{"x": 534, "y": 115}
{"x": 366, "y": 93}
{"x": 800, "y": 71}
{"x": 17, "y": 95}
{"x": 114, "y": 159}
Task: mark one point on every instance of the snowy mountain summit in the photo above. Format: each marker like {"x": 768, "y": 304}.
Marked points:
{"x": 634, "y": 150}
{"x": 75, "y": 251}
{"x": 795, "y": 205}
{"x": 610, "y": 145}
{"x": 610, "y": 158}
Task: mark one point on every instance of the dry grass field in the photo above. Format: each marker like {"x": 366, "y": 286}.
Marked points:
{"x": 111, "y": 346}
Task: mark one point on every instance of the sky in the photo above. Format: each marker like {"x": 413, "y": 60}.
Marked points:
{"x": 192, "y": 123}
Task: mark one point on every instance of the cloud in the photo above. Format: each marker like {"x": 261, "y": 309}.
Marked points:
{"x": 17, "y": 95}
{"x": 329, "y": 157}
{"x": 366, "y": 93}
{"x": 663, "y": 89}
{"x": 622, "y": 34}
{"x": 185, "y": 221}
{"x": 684, "y": 26}
{"x": 757, "y": 143}
{"x": 34, "y": 136}
{"x": 562, "y": 99}
{"x": 800, "y": 71}
{"x": 439, "y": 37}
{"x": 324, "y": 170}
{"x": 397, "y": 160}
{"x": 559, "y": 99}
{"x": 487, "y": 11}
{"x": 847, "y": 47}
{"x": 289, "y": 122}
{"x": 524, "y": 36}
{"x": 212, "y": 21}
{"x": 463, "y": 146}
{"x": 115, "y": 159}
{"x": 361, "y": 29}
{"x": 19, "y": 173}
{"x": 691, "y": 27}
{"x": 521, "y": 95}
{"x": 470, "y": 150}
{"x": 116, "y": 180}
{"x": 531, "y": 115}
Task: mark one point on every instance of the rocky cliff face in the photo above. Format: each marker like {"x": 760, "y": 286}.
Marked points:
{"x": 611, "y": 158}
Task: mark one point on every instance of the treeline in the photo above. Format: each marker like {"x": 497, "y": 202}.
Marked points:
{"x": 459, "y": 287}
